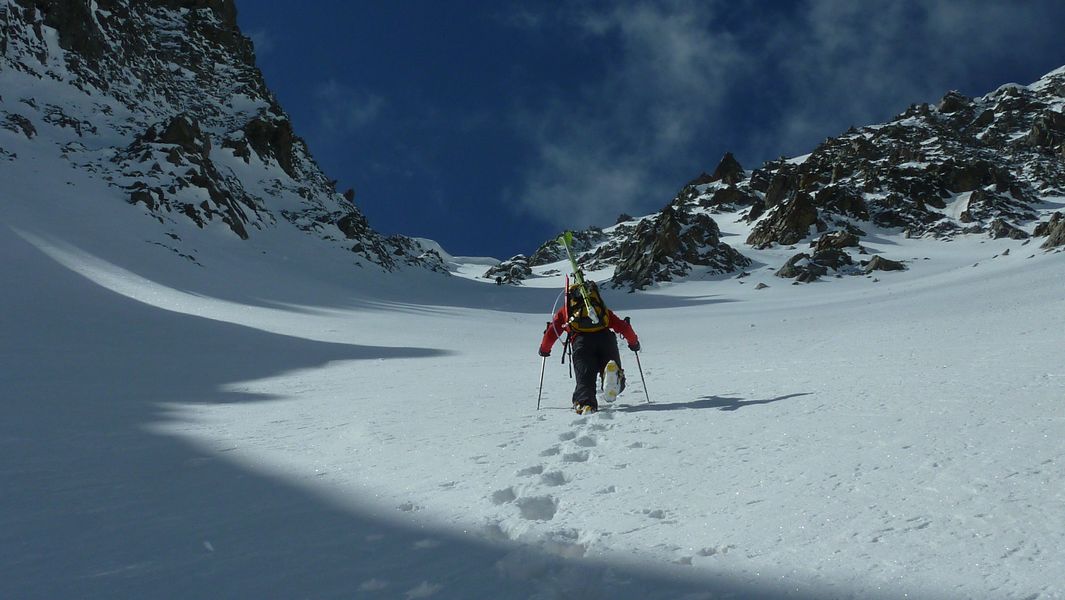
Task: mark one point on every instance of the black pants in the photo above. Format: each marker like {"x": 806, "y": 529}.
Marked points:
{"x": 591, "y": 352}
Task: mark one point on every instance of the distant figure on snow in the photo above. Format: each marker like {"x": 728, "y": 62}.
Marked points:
{"x": 593, "y": 344}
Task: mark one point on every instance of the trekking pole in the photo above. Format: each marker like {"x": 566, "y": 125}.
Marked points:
{"x": 642, "y": 380}
{"x": 567, "y": 349}
{"x": 639, "y": 366}
{"x": 539, "y": 393}
{"x": 543, "y": 366}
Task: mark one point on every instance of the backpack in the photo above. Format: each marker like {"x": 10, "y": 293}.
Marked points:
{"x": 577, "y": 311}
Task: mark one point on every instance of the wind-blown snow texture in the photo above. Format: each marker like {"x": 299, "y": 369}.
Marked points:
{"x": 187, "y": 413}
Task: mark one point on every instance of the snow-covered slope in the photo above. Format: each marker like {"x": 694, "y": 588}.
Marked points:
{"x": 265, "y": 427}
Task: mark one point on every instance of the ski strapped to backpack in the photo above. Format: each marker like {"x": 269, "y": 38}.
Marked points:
{"x": 579, "y": 318}
{"x": 594, "y": 316}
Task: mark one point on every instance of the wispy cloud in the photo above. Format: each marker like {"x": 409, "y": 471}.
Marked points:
{"x": 600, "y": 147}
{"x": 522, "y": 18}
{"x": 263, "y": 41}
{"x": 343, "y": 109}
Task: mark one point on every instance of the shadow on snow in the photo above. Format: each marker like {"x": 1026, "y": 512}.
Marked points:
{"x": 718, "y": 402}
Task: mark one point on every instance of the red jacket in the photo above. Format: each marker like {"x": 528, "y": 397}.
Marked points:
{"x": 559, "y": 325}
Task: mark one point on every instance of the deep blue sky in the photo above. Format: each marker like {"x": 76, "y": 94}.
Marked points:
{"x": 491, "y": 126}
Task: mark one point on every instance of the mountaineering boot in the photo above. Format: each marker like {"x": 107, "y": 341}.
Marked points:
{"x": 612, "y": 381}
{"x": 585, "y": 408}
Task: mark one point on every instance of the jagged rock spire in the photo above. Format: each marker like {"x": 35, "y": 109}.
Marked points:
{"x": 728, "y": 170}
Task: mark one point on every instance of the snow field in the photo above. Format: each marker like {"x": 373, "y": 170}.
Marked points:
{"x": 840, "y": 439}
{"x": 178, "y": 428}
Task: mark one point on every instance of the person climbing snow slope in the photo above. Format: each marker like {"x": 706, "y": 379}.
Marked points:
{"x": 593, "y": 343}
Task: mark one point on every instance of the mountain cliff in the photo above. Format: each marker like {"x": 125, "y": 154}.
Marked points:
{"x": 162, "y": 100}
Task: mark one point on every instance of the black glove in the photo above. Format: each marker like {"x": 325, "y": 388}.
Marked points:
{"x": 545, "y": 353}
{"x": 635, "y": 347}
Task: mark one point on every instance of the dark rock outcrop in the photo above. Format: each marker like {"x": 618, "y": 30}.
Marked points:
{"x": 837, "y": 240}
{"x": 69, "y": 19}
{"x": 224, "y": 10}
{"x": 954, "y": 102}
{"x": 966, "y": 177}
{"x": 802, "y": 268}
{"x": 728, "y": 198}
{"x": 182, "y": 145}
{"x": 183, "y": 131}
{"x": 728, "y": 170}
{"x": 551, "y": 251}
{"x": 671, "y": 245}
{"x": 1054, "y": 230}
{"x": 843, "y": 201}
{"x": 786, "y": 224}
{"x": 1044, "y": 228}
{"x": 273, "y": 139}
{"x": 1048, "y": 131}
{"x": 879, "y": 263}
{"x": 703, "y": 179}
{"x": 1001, "y": 229}
{"x": 19, "y": 124}
{"x": 781, "y": 185}
{"x": 512, "y": 271}
{"x": 832, "y": 258}
{"x": 805, "y": 268}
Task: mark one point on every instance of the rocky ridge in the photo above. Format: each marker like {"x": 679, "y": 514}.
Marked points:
{"x": 967, "y": 166}
{"x": 162, "y": 99}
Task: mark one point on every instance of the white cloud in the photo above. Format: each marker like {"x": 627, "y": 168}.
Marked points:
{"x": 263, "y": 41}
{"x": 523, "y": 18}
{"x": 600, "y": 148}
{"x": 575, "y": 185}
{"x": 342, "y": 109}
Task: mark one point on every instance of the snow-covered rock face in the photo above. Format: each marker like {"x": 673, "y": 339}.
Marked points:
{"x": 969, "y": 166}
{"x": 162, "y": 99}
{"x": 669, "y": 246}
{"x": 935, "y": 172}
{"x": 551, "y": 251}
{"x": 511, "y": 271}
